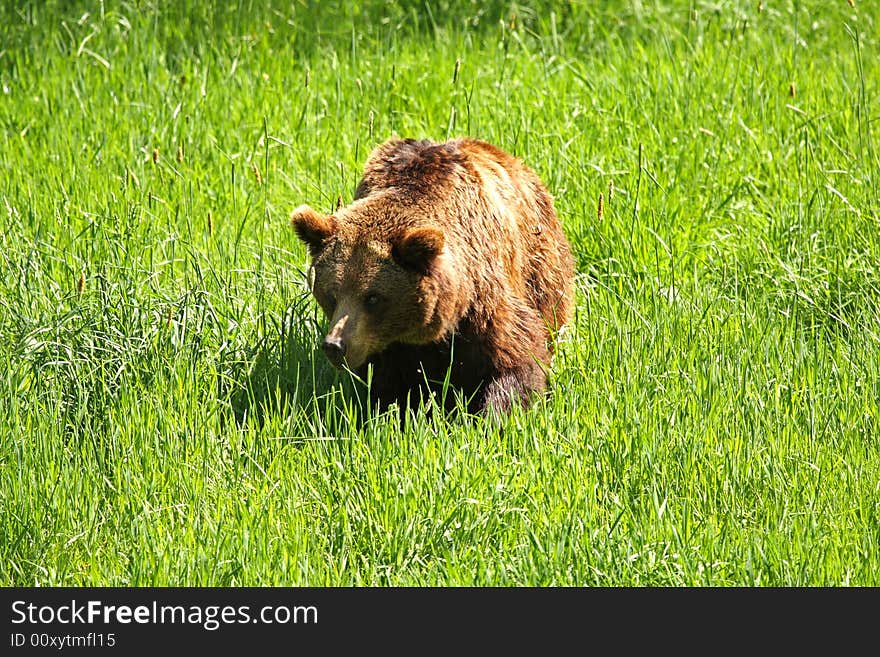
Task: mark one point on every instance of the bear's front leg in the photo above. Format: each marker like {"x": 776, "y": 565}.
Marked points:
{"x": 395, "y": 378}
{"x": 513, "y": 386}
{"x": 516, "y": 345}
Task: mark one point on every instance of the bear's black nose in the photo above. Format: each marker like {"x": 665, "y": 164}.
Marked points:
{"x": 335, "y": 350}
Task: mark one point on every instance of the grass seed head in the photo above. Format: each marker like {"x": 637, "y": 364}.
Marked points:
{"x": 155, "y": 156}
{"x": 600, "y": 210}
{"x": 257, "y": 175}
{"x": 81, "y": 284}
{"x": 180, "y": 154}
{"x": 210, "y": 224}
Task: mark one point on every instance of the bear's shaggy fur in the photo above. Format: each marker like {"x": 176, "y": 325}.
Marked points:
{"x": 450, "y": 265}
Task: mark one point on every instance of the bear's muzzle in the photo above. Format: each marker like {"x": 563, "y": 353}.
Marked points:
{"x": 335, "y": 349}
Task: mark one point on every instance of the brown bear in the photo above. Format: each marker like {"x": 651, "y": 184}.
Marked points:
{"x": 448, "y": 270}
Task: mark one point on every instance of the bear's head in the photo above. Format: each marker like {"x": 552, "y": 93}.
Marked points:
{"x": 380, "y": 278}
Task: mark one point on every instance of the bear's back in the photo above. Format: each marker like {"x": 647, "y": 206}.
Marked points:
{"x": 414, "y": 166}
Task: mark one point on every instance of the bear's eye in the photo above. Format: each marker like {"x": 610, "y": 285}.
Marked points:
{"x": 372, "y": 300}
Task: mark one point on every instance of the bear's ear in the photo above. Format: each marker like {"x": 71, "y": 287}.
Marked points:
{"x": 418, "y": 248}
{"x": 312, "y": 227}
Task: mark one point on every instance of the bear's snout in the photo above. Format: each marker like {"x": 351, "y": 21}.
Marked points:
{"x": 334, "y": 347}
{"x": 345, "y": 344}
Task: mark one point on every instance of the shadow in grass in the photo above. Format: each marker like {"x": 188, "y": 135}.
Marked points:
{"x": 285, "y": 374}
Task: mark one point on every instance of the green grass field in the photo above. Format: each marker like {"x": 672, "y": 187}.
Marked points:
{"x": 167, "y": 419}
